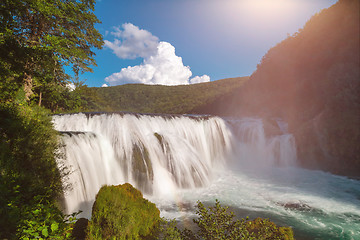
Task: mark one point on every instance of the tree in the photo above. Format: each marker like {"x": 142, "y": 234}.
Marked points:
{"x": 38, "y": 38}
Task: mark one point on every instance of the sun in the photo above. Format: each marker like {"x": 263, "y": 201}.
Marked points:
{"x": 269, "y": 11}
{"x": 268, "y": 6}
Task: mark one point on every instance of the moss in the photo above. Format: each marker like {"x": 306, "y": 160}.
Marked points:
{"x": 121, "y": 212}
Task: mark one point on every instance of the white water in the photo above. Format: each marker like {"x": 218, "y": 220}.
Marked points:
{"x": 254, "y": 148}
{"x": 190, "y": 159}
{"x": 113, "y": 149}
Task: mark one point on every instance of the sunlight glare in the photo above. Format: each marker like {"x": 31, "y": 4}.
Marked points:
{"x": 268, "y": 6}
{"x": 267, "y": 17}
{"x": 269, "y": 10}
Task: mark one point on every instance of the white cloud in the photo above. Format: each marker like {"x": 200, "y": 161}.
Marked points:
{"x": 197, "y": 79}
{"x": 160, "y": 65}
{"x": 134, "y": 42}
{"x": 163, "y": 68}
{"x": 104, "y": 85}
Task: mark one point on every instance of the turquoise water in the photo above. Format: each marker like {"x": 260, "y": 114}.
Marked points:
{"x": 317, "y": 205}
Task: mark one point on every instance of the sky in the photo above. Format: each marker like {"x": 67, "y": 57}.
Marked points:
{"x": 174, "y": 42}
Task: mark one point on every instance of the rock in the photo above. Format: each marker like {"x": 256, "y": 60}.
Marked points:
{"x": 79, "y": 231}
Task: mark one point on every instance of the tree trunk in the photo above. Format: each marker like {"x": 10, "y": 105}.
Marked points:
{"x": 40, "y": 97}
{"x": 28, "y": 83}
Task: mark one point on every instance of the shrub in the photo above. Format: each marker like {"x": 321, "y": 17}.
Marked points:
{"x": 28, "y": 150}
{"x": 167, "y": 230}
{"x": 217, "y": 223}
{"x": 45, "y": 221}
{"x": 265, "y": 229}
{"x": 28, "y": 169}
{"x": 121, "y": 212}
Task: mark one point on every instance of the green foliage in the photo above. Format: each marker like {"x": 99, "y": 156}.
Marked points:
{"x": 157, "y": 98}
{"x": 28, "y": 169}
{"x": 167, "y": 230}
{"x": 218, "y": 223}
{"x": 25, "y": 130}
{"x": 46, "y": 221}
{"x": 38, "y": 38}
{"x": 265, "y": 229}
{"x": 59, "y": 98}
{"x": 121, "y": 212}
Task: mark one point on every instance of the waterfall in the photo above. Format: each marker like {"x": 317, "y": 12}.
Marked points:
{"x": 254, "y": 147}
{"x": 159, "y": 154}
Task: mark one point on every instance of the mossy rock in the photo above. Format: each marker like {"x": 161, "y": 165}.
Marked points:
{"x": 142, "y": 168}
{"x": 121, "y": 212}
{"x": 164, "y": 145}
{"x": 159, "y": 138}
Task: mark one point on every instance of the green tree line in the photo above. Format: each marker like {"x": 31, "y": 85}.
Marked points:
{"x": 140, "y": 98}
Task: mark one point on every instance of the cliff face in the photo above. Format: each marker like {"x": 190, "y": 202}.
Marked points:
{"x": 312, "y": 80}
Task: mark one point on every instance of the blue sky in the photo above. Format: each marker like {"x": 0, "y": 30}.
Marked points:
{"x": 188, "y": 41}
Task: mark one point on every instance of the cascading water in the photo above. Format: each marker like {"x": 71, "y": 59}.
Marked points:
{"x": 255, "y": 148}
{"x": 156, "y": 154}
{"x": 247, "y": 164}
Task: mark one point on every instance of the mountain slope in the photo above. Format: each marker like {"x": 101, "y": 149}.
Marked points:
{"x": 312, "y": 80}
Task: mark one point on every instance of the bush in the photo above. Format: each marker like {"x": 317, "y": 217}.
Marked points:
{"x": 28, "y": 150}
{"x": 121, "y": 212}
{"x": 265, "y": 229}
{"x": 45, "y": 221}
{"x": 167, "y": 230}
{"x": 28, "y": 169}
{"x": 217, "y": 223}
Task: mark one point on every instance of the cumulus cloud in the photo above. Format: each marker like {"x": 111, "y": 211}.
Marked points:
{"x": 197, "y": 79}
{"x": 160, "y": 65}
{"x": 104, "y": 85}
{"x": 132, "y": 42}
{"x": 163, "y": 68}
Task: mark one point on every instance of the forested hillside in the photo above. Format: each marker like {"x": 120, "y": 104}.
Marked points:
{"x": 312, "y": 80}
{"x": 142, "y": 98}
